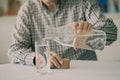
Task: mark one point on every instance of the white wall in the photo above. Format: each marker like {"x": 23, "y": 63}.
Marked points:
{"x": 6, "y": 24}
{"x": 110, "y": 53}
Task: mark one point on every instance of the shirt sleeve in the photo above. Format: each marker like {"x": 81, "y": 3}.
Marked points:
{"x": 98, "y": 20}
{"x": 20, "y": 50}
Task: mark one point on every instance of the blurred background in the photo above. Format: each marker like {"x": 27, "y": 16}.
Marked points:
{"x": 8, "y": 12}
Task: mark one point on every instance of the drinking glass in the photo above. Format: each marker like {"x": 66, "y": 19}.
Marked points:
{"x": 42, "y": 57}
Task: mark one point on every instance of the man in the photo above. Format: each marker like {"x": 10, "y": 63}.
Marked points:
{"x": 34, "y": 18}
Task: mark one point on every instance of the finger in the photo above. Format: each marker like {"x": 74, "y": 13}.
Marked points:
{"x": 85, "y": 27}
{"x": 90, "y": 28}
{"x": 57, "y": 57}
{"x": 74, "y": 26}
{"x": 55, "y": 62}
{"x": 40, "y": 61}
{"x": 75, "y": 45}
{"x": 80, "y": 28}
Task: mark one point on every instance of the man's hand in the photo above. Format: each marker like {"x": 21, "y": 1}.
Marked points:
{"x": 81, "y": 28}
{"x": 40, "y": 61}
{"x": 55, "y": 60}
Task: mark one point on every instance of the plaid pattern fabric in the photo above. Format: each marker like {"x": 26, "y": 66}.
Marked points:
{"x": 34, "y": 21}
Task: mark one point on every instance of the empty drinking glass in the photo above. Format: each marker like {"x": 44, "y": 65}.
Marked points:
{"x": 42, "y": 57}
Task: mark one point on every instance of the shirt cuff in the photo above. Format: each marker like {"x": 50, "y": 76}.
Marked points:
{"x": 29, "y": 59}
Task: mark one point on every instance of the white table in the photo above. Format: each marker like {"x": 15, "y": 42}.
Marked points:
{"x": 80, "y": 70}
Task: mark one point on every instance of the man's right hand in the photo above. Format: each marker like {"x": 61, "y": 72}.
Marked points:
{"x": 81, "y": 28}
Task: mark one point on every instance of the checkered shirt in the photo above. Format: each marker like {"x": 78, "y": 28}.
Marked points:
{"x": 35, "y": 21}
